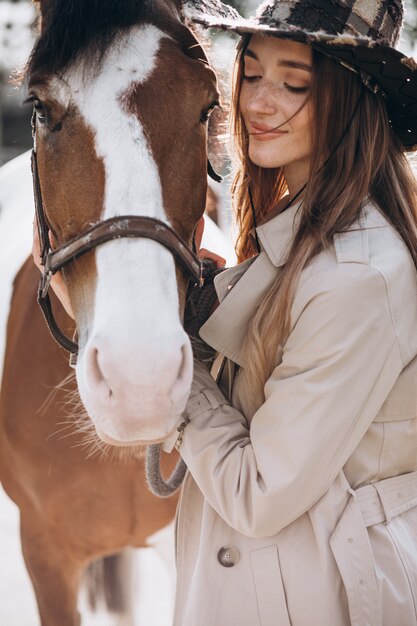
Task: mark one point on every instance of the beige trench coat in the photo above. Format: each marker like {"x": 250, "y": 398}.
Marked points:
{"x": 305, "y": 513}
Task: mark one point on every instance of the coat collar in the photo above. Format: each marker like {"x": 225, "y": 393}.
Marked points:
{"x": 277, "y": 234}
{"x": 240, "y": 289}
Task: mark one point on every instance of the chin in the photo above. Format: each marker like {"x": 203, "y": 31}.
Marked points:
{"x": 267, "y": 163}
{"x": 267, "y": 158}
{"x": 274, "y": 157}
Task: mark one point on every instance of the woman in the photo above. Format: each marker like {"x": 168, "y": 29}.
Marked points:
{"x": 300, "y": 505}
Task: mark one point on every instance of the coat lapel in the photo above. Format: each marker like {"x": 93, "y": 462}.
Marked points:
{"x": 241, "y": 289}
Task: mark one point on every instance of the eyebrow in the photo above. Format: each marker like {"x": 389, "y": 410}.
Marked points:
{"x": 299, "y": 65}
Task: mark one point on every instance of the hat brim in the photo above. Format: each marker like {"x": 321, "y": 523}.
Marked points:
{"x": 392, "y": 71}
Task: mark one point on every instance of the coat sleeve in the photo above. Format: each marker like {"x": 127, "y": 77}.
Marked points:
{"x": 338, "y": 366}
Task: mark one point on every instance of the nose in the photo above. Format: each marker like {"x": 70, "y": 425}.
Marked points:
{"x": 110, "y": 375}
{"x": 137, "y": 394}
{"x": 262, "y": 102}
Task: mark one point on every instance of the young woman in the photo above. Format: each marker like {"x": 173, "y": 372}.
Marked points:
{"x": 300, "y": 505}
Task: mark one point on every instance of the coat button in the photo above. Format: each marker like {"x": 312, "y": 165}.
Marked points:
{"x": 228, "y": 556}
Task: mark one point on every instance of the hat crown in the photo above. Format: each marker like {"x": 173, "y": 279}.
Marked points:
{"x": 380, "y": 20}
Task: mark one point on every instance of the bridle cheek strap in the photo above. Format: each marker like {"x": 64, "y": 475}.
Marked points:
{"x": 43, "y": 228}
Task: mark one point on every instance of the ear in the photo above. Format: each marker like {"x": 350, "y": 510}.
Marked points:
{"x": 169, "y": 14}
{"x": 193, "y": 9}
{"x": 41, "y": 4}
{"x": 42, "y": 7}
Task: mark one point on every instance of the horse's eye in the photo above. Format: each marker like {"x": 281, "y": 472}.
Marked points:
{"x": 41, "y": 112}
{"x": 207, "y": 112}
{"x": 39, "y": 108}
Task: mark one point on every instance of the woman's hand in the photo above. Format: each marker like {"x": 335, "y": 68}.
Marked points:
{"x": 57, "y": 282}
{"x": 202, "y": 252}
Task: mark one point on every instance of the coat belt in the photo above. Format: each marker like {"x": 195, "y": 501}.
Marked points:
{"x": 385, "y": 499}
{"x": 376, "y": 503}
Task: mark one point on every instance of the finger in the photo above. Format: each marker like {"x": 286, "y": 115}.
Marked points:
{"x": 207, "y": 254}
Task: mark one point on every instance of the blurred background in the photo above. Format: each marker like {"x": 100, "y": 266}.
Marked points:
{"x": 17, "y": 34}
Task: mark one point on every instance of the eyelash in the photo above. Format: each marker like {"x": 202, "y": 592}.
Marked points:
{"x": 297, "y": 89}
{"x": 252, "y": 79}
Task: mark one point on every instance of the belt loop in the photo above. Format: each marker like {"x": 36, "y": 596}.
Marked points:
{"x": 384, "y": 503}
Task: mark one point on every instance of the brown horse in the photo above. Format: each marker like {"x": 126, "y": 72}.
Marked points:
{"x": 121, "y": 93}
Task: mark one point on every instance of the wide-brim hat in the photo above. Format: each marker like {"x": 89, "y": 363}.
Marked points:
{"x": 360, "y": 34}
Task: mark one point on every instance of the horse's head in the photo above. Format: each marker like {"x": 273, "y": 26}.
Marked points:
{"x": 122, "y": 94}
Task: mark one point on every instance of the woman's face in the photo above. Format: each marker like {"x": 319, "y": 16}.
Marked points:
{"x": 276, "y": 83}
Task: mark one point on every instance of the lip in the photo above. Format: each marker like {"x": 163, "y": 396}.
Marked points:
{"x": 263, "y": 132}
{"x": 137, "y": 442}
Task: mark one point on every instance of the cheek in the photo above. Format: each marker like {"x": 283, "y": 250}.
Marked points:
{"x": 244, "y": 98}
{"x": 289, "y": 105}
{"x": 302, "y": 129}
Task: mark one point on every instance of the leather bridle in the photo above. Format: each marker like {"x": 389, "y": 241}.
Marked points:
{"x": 113, "y": 228}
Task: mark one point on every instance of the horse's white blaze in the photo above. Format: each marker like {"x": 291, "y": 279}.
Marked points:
{"x": 135, "y": 371}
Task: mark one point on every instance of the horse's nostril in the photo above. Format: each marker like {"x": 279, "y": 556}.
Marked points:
{"x": 98, "y": 374}
{"x": 95, "y": 372}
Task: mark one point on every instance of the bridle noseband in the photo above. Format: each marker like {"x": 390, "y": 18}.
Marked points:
{"x": 113, "y": 228}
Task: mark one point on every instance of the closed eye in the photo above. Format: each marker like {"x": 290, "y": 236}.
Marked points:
{"x": 296, "y": 89}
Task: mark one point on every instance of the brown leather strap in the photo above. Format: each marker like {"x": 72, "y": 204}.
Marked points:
{"x": 110, "y": 229}
{"x": 46, "y": 308}
{"x": 124, "y": 226}
{"x": 42, "y": 224}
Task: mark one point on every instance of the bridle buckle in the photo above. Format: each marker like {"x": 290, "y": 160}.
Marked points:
{"x": 201, "y": 280}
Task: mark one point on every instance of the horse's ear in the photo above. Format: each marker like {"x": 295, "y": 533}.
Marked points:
{"x": 42, "y": 7}
{"x": 41, "y": 3}
{"x": 193, "y": 9}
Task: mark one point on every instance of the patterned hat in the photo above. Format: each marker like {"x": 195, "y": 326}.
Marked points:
{"x": 360, "y": 34}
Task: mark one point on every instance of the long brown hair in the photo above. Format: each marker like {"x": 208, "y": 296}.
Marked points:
{"x": 369, "y": 162}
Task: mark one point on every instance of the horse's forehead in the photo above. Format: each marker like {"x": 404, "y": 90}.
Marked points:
{"x": 120, "y": 141}
{"x": 131, "y": 59}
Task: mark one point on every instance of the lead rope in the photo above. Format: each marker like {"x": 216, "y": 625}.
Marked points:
{"x": 156, "y": 482}
{"x": 196, "y": 314}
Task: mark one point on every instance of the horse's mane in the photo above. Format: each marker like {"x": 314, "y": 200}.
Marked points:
{"x": 71, "y": 27}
